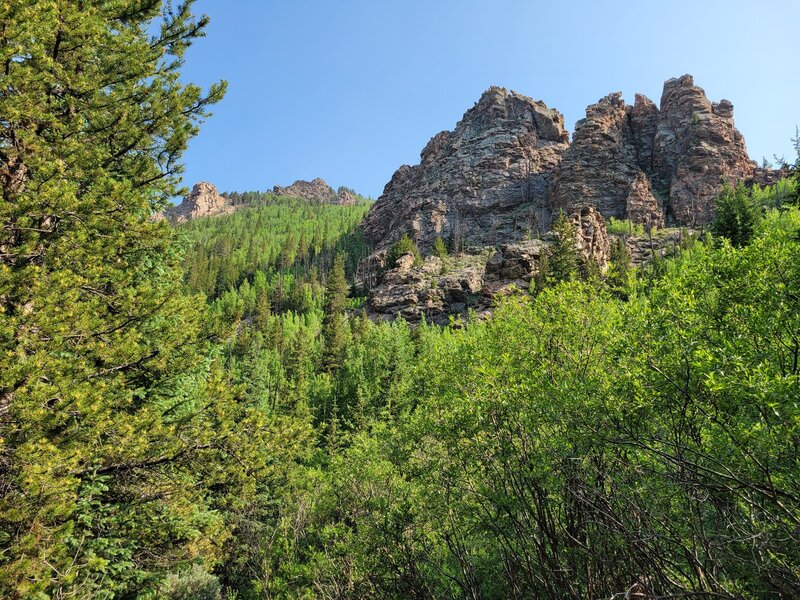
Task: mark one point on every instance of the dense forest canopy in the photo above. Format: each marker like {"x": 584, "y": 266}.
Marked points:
{"x": 204, "y": 411}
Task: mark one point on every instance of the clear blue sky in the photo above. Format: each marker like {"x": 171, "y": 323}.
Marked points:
{"x": 349, "y": 90}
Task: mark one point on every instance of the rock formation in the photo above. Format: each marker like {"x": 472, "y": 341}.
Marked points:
{"x": 653, "y": 165}
{"x": 482, "y": 183}
{"x": 508, "y": 167}
{"x": 472, "y": 282}
{"x": 591, "y": 234}
{"x": 203, "y": 201}
{"x": 316, "y": 190}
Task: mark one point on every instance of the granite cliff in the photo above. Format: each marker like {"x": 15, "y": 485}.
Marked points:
{"x": 508, "y": 167}
{"x": 316, "y": 190}
{"x": 653, "y": 165}
{"x": 484, "y": 182}
{"x": 203, "y": 201}
{"x": 493, "y": 185}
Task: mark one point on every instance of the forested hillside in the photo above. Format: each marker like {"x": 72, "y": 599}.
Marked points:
{"x": 204, "y": 410}
{"x": 272, "y": 234}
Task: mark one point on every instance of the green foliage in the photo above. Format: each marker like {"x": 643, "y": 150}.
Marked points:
{"x": 334, "y": 325}
{"x": 781, "y": 194}
{"x": 118, "y": 423}
{"x": 569, "y": 444}
{"x": 562, "y": 259}
{"x": 618, "y": 273}
{"x": 194, "y": 584}
{"x": 624, "y": 226}
{"x": 405, "y": 245}
{"x": 736, "y": 215}
{"x": 283, "y": 234}
{"x": 440, "y": 248}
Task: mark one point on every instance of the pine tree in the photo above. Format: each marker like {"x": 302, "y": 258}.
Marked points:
{"x": 563, "y": 256}
{"x": 736, "y": 216}
{"x": 334, "y": 324}
{"x": 620, "y": 264}
{"x": 405, "y": 245}
{"x": 440, "y": 248}
{"x": 111, "y": 433}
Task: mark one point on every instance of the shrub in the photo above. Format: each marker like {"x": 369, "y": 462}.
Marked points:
{"x": 405, "y": 245}
{"x": 624, "y": 226}
{"x": 440, "y": 248}
{"x": 736, "y": 215}
{"x": 194, "y": 584}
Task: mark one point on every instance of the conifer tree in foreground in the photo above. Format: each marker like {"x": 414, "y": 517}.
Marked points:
{"x": 112, "y": 421}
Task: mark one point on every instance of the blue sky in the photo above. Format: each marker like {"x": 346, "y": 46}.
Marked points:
{"x": 349, "y": 90}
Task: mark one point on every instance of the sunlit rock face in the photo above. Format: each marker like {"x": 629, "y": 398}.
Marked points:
{"x": 485, "y": 182}
{"x": 203, "y": 201}
{"x": 653, "y": 165}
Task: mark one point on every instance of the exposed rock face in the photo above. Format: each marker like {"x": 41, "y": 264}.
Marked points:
{"x": 592, "y": 236}
{"x": 513, "y": 265}
{"x": 482, "y": 183}
{"x": 641, "y": 206}
{"x": 696, "y": 149}
{"x": 416, "y": 292}
{"x": 602, "y": 161}
{"x": 653, "y": 165}
{"x": 203, "y": 201}
{"x": 315, "y": 190}
{"x": 345, "y": 198}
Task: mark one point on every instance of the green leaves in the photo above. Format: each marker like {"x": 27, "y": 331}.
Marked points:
{"x": 118, "y": 440}
{"x": 573, "y": 442}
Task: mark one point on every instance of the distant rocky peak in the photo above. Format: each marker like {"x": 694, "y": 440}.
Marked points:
{"x": 203, "y": 201}
{"x": 316, "y": 190}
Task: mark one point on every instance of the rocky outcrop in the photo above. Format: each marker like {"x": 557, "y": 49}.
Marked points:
{"x": 345, "y": 198}
{"x": 203, "y": 201}
{"x": 316, "y": 190}
{"x": 431, "y": 291}
{"x": 417, "y": 292}
{"x": 653, "y": 165}
{"x": 484, "y": 182}
{"x": 696, "y": 149}
{"x": 601, "y": 163}
{"x": 591, "y": 235}
{"x": 641, "y": 205}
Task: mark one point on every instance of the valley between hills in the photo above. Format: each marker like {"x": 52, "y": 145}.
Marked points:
{"x": 542, "y": 364}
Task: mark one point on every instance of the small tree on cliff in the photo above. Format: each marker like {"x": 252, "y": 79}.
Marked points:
{"x": 564, "y": 256}
{"x": 405, "y": 245}
{"x": 440, "y": 248}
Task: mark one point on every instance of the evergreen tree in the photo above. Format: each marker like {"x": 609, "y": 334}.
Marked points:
{"x": 440, "y": 248}
{"x": 112, "y": 434}
{"x": 334, "y": 324}
{"x": 736, "y": 216}
{"x": 564, "y": 255}
{"x": 618, "y": 269}
{"x": 405, "y": 245}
